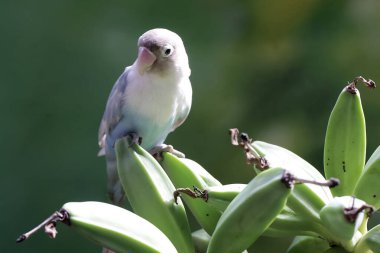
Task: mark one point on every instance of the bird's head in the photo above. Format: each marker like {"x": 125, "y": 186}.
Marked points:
{"x": 162, "y": 52}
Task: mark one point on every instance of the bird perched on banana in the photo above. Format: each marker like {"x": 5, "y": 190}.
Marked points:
{"x": 151, "y": 98}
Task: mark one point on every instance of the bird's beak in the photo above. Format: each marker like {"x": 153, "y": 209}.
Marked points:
{"x": 145, "y": 59}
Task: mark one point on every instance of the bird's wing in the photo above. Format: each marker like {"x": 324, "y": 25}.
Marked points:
{"x": 182, "y": 116}
{"x": 112, "y": 113}
{"x": 180, "y": 120}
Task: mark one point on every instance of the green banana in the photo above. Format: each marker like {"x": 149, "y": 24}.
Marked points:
{"x": 337, "y": 249}
{"x": 306, "y": 199}
{"x": 370, "y": 242}
{"x": 150, "y": 193}
{"x": 343, "y": 217}
{"x": 116, "y": 228}
{"x": 345, "y": 142}
{"x": 221, "y": 196}
{"x": 367, "y": 187}
{"x": 289, "y": 224}
{"x": 209, "y": 179}
{"x": 308, "y": 244}
{"x": 186, "y": 173}
{"x": 110, "y": 226}
{"x": 251, "y": 212}
{"x": 200, "y": 239}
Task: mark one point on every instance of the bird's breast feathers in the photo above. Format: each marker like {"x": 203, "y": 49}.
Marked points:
{"x": 160, "y": 99}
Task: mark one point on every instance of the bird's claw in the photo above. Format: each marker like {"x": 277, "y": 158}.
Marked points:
{"x": 157, "y": 151}
{"x": 134, "y": 138}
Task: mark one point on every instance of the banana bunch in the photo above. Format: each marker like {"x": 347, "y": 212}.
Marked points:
{"x": 287, "y": 197}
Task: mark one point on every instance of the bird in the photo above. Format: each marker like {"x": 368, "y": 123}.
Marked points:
{"x": 149, "y": 100}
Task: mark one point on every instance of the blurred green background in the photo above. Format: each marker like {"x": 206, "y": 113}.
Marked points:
{"x": 271, "y": 68}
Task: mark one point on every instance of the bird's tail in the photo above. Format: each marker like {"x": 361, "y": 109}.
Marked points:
{"x": 105, "y": 250}
{"x": 114, "y": 187}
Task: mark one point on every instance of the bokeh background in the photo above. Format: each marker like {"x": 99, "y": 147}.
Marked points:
{"x": 271, "y": 68}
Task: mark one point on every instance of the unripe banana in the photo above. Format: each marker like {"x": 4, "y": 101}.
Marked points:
{"x": 306, "y": 199}
{"x": 209, "y": 179}
{"x": 150, "y": 193}
{"x": 200, "y": 239}
{"x": 337, "y": 249}
{"x": 367, "y": 187}
{"x": 370, "y": 242}
{"x": 308, "y": 244}
{"x": 221, "y": 196}
{"x": 287, "y": 224}
{"x": 343, "y": 217}
{"x": 186, "y": 173}
{"x": 251, "y": 212}
{"x": 116, "y": 228}
{"x": 345, "y": 142}
{"x": 108, "y": 225}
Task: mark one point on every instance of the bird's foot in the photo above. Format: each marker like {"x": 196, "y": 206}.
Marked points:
{"x": 157, "y": 151}
{"x": 133, "y": 138}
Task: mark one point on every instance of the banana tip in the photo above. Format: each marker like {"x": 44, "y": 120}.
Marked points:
{"x": 334, "y": 182}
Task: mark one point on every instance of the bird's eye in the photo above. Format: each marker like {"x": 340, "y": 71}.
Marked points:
{"x": 167, "y": 50}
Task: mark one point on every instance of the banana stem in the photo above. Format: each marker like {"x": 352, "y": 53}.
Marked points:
{"x": 252, "y": 156}
{"x": 351, "y": 87}
{"x": 49, "y": 225}
{"x": 196, "y": 193}
{"x": 332, "y": 182}
{"x": 352, "y": 213}
{"x": 369, "y": 83}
